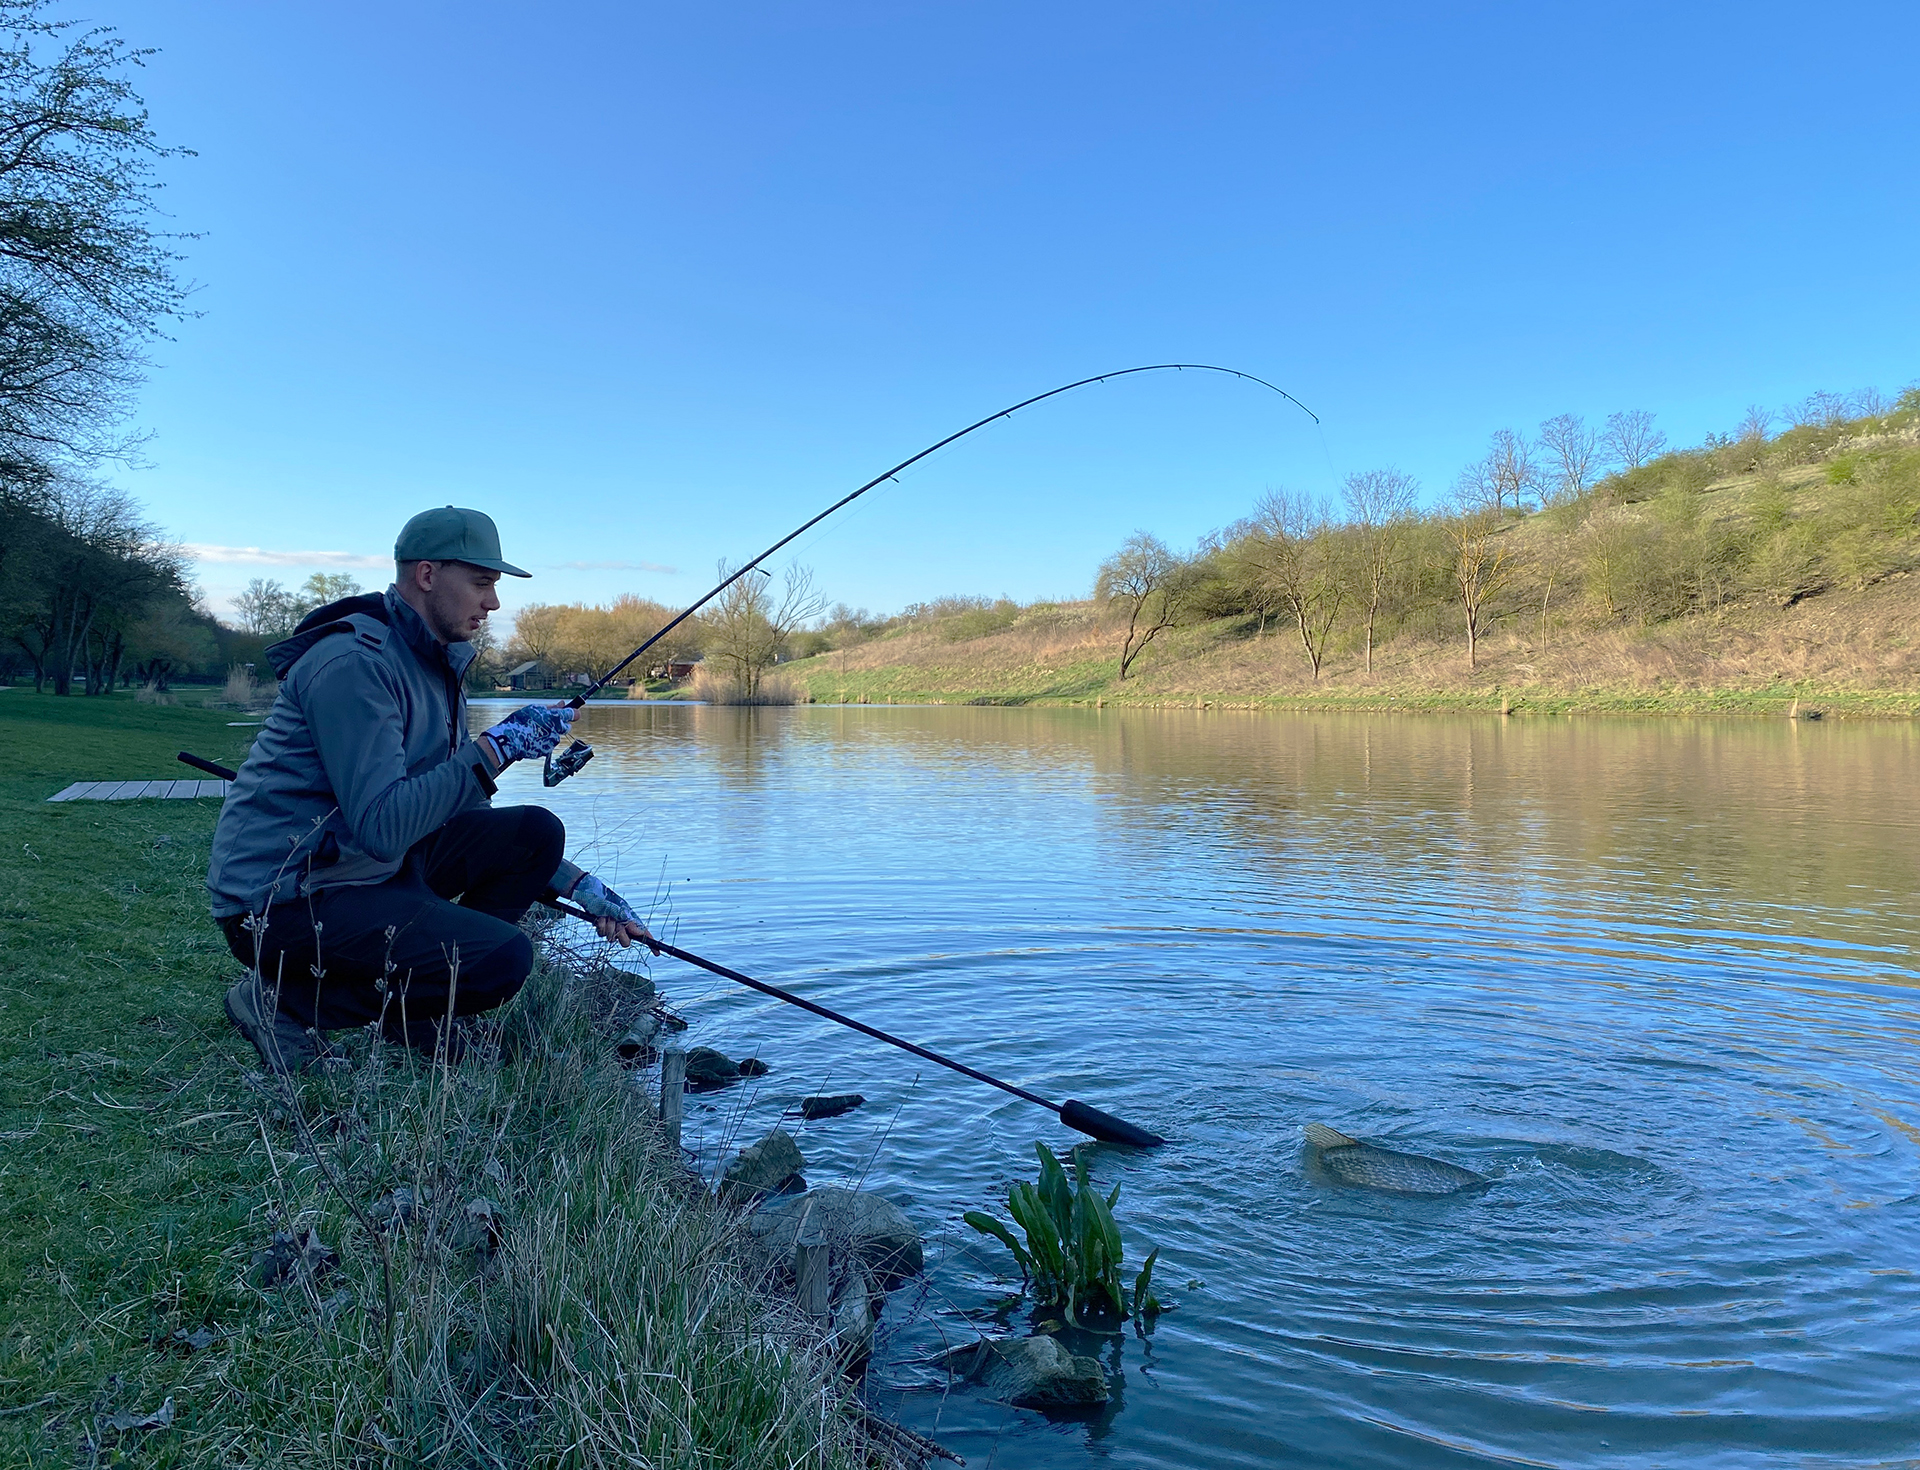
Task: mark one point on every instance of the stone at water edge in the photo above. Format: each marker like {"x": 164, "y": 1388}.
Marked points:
{"x": 636, "y": 1047}
{"x": 707, "y": 1068}
{"x": 1029, "y": 1372}
{"x": 752, "y": 1067}
{"x": 865, "y": 1225}
{"x": 815, "y": 1108}
{"x": 856, "y": 1316}
{"x": 763, "y": 1167}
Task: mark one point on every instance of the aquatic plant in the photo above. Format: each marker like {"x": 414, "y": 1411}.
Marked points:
{"x": 1072, "y": 1252}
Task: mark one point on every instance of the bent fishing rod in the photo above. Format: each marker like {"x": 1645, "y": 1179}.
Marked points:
{"x": 560, "y": 767}
{"x": 1082, "y": 1117}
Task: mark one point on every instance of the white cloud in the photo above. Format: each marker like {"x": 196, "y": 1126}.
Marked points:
{"x": 615, "y": 566}
{"x": 260, "y": 557}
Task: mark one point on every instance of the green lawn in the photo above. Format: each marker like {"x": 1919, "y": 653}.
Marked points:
{"x": 143, "y": 1163}
{"x": 125, "y": 1175}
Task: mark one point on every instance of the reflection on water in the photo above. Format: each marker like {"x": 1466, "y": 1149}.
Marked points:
{"x": 1654, "y": 976}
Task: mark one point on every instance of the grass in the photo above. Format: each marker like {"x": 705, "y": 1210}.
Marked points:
{"x": 587, "y": 1313}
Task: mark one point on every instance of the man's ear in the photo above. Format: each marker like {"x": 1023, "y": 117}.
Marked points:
{"x": 423, "y": 575}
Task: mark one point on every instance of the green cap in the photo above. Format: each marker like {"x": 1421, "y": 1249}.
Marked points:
{"x": 448, "y": 533}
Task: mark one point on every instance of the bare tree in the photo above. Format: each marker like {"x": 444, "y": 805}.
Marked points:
{"x": 1754, "y": 426}
{"x": 1482, "y": 566}
{"x": 1571, "y": 450}
{"x": 1299, "y": 552}
{"x": 1150, "y": 584}
{"x": 748, "y": 625}
{"x": 1871, "y": 403}
{"x": 265, "y": 609}
{"x": 1630, "y": 439}
{"x": 1819, "y": 410}
{"x": 322, "y": 588}
{"x": 1381, "y": 504}
{"x": 1504, "y": 477}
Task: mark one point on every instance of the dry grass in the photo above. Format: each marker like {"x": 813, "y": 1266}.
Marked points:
{"x": 1864, "y": 643}
{"x": 775, "y": 687}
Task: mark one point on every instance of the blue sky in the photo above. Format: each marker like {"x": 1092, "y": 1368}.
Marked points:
{"x": 651, "y": 284}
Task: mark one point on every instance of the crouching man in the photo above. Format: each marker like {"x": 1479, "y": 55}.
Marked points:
{"x": 359, "y": 869}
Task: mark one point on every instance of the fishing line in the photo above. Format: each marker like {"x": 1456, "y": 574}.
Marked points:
{"x": 579, "y": 754}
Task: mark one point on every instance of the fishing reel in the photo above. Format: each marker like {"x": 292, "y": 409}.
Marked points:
{"x": 565, "y": 764}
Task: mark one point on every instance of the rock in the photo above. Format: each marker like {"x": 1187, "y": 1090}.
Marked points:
{"x": 1029, "y": 1372}
{"x": 814, "y": 1108}
{"x": 856, "y": 1316}
{"x": 708, "y": 1069}
{"x": 863, "y": 1225}
{"x": 284, "y": 1256}
{"x": 752, "y": 1067}
{"x": 636, "y": 1048}
{"x": 764, "y": 1167}
{"x": 632, "y": 985}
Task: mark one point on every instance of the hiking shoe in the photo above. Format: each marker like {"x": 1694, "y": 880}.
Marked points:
{"x": 283, "y": 1043}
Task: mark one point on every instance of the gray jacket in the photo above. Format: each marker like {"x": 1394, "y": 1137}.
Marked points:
{"x": 364, "y": 753}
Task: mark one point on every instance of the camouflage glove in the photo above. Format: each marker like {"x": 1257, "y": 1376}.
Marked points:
{"x": 602, "y": 902}
{"x": 533, "y": 730}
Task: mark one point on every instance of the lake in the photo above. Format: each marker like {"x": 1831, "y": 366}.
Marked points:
{"x": 1658, "y": 978}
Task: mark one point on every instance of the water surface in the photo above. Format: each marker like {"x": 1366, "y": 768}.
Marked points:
{"x": 1656, "y": 977}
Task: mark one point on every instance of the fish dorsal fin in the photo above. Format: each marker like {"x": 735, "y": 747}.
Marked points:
{"x": 1321, "y": 1136}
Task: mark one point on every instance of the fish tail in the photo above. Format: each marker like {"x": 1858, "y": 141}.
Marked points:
{"x": 1321, "y": 1136}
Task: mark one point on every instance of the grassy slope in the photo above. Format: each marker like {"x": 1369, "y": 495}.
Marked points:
{"x": 1847, "y": 653}
{"x": 139, "y": 1173}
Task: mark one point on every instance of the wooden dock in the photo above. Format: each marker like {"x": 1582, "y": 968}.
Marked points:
{"x": 140, "y": 790}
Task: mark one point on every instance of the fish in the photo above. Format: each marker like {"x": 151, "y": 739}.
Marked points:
{"x": 1350, "y": 1161}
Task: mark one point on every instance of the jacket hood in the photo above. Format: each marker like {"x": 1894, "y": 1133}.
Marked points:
{"x": 329, "y": 618}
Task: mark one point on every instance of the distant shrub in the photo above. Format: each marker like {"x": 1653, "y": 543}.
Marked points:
{"x": 979, "y": 622}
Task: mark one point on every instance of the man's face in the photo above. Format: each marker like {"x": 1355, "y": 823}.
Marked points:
{"x": 457, "y": 598}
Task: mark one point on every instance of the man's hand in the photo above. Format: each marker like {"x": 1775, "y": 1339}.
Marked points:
{"x": 533, "y": 730}
{"x": 612, "y": 915}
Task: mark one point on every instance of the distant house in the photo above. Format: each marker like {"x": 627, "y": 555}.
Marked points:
{"x": 530, "y": 675}
{"x": 674, "y": 668}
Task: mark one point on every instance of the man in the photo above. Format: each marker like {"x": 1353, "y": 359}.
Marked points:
{"x": 359, "y": 869}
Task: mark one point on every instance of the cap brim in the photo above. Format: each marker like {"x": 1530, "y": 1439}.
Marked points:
{"x": 497, "y": 566}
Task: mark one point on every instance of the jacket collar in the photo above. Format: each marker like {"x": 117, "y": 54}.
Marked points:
{"x": 412, "y": 629}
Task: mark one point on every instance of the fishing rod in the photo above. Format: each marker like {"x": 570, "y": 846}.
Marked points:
{"x": 568, "y": 763}
{"x": 1082, "y": 1117}
{"x": 1077, "y": 1115}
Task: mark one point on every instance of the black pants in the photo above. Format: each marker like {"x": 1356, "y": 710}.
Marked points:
{"x": 445, "y": 926}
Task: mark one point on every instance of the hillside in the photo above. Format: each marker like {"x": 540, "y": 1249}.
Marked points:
{"x": 1759, "y": 576}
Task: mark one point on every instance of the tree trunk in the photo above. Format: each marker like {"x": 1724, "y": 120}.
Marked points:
{"x": 1372, "y": 608}
{"x": 1473, "y": 636}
